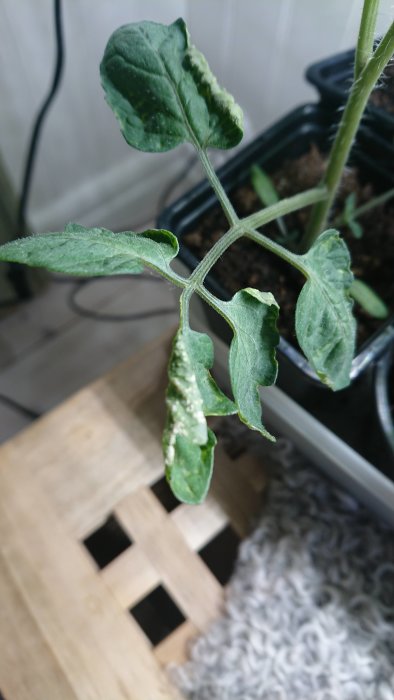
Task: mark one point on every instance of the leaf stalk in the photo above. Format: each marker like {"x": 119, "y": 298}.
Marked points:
{"x": 246, "y": 227}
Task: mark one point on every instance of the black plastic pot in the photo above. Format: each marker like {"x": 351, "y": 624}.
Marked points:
{"x": 384, "y": 393}
{"x": 333, "y": 76}
{"x": 291, "y": 137}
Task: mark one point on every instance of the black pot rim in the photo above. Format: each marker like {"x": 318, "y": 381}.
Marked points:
{"x": 329, "y": 77}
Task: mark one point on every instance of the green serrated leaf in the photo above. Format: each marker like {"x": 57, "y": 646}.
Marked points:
{"x": 325, "y": 326}
{"x": 94, "y": 251}
{"x": 265, "y": 189}
{"x": 162, "y": 90}
{"x": 263, "y": 185}
{"x": 356, "y": 228}
{"x": 350, "y": 207}
{"x": 252, "y": 316}
{"x": 368, "y": 299}
{"x": 192, "y": 394}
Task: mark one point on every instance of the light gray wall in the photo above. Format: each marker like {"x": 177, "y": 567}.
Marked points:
{"x": 258, "y": 48}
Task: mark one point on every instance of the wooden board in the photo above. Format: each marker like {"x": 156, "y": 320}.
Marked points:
{"x": 66, "y": 630}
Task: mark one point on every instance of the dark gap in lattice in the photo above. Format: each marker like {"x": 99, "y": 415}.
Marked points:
{"x": 220, "y": 554}
{"x": 164, "y": 494}
{"x": 157, "y": 615}
{"x": 107, "y": 542}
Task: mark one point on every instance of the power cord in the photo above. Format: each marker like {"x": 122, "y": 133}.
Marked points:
{"x": 81, "y": 310}
{"x": 16, "y": 406}
{"x": 40, "y": 118}
{"x": 167, "y": 192}
{"x": 16, "y": 273}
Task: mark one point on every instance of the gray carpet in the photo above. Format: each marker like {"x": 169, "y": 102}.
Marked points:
{"x": 310, "y": 607}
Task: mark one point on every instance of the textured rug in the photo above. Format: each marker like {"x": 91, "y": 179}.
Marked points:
{"x": 310, "y": 608}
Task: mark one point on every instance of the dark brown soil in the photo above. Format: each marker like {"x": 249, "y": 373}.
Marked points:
{"x": 383, "y": 96}
{"x": 247, "y": 264}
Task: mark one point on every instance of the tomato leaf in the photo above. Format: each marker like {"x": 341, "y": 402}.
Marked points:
{"x": 162, "y": 91}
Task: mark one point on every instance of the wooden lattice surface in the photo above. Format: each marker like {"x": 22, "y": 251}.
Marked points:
{"x": 89, "y": 553}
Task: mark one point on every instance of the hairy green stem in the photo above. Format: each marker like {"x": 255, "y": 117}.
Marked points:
{"x": 366, "y": 36}
{"x": 347, "y": 129}
{"x": 285, "y": 206}
{"x": 173, "y": 277}
{"x": 196, "y": 279}
{"x": 246, "y": 227}
{"x": 276, "y": 248}
{"x": 228, "y": 208}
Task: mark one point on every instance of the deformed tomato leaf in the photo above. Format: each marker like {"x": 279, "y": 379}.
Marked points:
{"x": 94, "y": 251}
{"x": 200, "y": 351}
{"x": 192, "y": 394}
{"x": 325, "y": 325}
{"x": 162, "y": 91}
{"x": 252, "y": 316}
{"x": 191, "y": 470}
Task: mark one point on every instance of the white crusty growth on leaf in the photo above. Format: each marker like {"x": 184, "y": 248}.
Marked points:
{"x": 191, "y": 395}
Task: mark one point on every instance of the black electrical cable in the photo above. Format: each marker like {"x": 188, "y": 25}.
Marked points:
{"x": 39, "y": 121}
{"x": 75, "y": 305}
{"x": 16, "y": 406}
{"x": 165, "y": 195}
{"x": 6, "y": 304}
{"x": 77, "y": 308}
{"x": 16, "y": 273}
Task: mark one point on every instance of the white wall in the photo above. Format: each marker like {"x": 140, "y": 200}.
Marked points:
{"x": 265, "y": 45}
{"x": 85, "y": 171}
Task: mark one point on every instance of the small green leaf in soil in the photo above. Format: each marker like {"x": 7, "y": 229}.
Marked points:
{"x": 368, "y": 299}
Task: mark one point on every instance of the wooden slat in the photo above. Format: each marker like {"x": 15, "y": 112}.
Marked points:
{"x": 98, "y": 428}
{"x": 148, "y": 524}
{"x": 73, "y": 612}
{"x": 173, "y": 650}
{"x": 24, "y": 648}
{"x": 65, "y": 628}
{"x": 131, "y": 576}
{"x": 199, "y": 525}
{"x": 234, "y": 492}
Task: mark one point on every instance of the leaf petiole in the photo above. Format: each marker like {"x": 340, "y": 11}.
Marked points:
{"x": 246, "y": 227}
{"x": 217, "y": 187}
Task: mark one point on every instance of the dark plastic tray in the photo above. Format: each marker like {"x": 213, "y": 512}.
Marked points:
{"x": 290, "y": 137}
{"x": 333, "y": 77}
